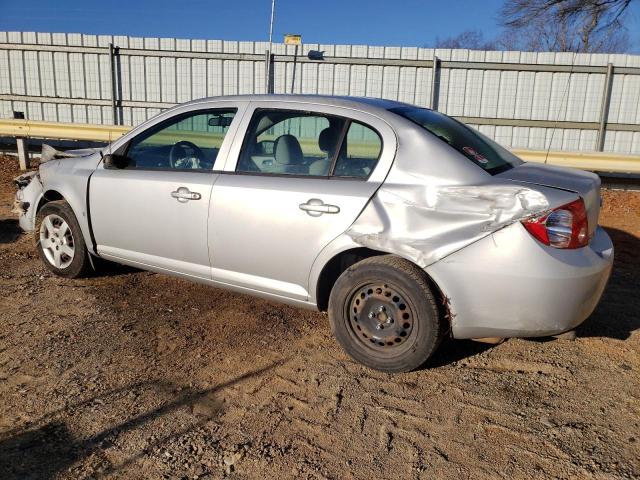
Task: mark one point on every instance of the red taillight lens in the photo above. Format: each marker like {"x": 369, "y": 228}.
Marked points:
{"x": 564, "y": 227}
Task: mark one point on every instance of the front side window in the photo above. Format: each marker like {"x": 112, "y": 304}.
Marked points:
{"x": 304, "y": 143}
{"x": 481, "y": 150}
{"x": 187, "y": 142}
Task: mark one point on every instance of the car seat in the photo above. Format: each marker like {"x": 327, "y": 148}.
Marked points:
{"x": 327, "y": 142}
{"x": 288, "y": 155}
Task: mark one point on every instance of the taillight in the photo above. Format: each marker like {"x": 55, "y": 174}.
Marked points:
{"x": 564, "y": 227}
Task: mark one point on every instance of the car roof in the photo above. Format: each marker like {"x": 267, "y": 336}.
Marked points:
{"x": 367, "y": 104}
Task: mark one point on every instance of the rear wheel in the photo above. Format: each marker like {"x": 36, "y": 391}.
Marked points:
{"x": 383, "y": 313}
{"x": 60, "y": 242}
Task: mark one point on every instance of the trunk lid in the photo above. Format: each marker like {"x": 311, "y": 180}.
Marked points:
{"x": 585, "y": 184}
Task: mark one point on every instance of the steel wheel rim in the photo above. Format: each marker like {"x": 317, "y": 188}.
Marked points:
{"x": 56, "y": 241}
{"x": 381, "y": 317}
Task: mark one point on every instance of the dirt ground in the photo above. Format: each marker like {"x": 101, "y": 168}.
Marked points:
{"x": 136, "y": 375}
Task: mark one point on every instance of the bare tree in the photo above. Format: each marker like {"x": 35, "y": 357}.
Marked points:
{"x": 567, "y": 25}
{"x": 471, "y": 39}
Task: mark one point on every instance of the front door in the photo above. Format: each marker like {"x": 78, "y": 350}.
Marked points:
{"x": 301, "y": 179}
{"x": 154, "y": 211}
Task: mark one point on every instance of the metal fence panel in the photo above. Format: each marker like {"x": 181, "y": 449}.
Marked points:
{"x": 522, "y": 99}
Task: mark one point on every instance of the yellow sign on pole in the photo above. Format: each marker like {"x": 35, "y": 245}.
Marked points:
{"x": 292, "y": 39}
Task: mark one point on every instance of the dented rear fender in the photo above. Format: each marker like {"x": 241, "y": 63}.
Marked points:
{"x": 425, "y": 222}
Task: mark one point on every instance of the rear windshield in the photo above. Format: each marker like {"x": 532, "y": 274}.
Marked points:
{"x": 481, "y": 150}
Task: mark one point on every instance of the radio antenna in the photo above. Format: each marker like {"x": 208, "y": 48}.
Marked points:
{"x": 562, "y": 101}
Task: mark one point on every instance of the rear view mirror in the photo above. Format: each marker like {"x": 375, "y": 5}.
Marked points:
{"x": 220, "y": 121}
{"x": 113, "y": 160}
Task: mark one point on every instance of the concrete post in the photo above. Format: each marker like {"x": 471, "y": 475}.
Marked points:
{"x": 21, "y": 143}
{"x": 23, "y": 153}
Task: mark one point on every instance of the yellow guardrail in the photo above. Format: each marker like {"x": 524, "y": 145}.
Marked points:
{"x": 61, "y": 131}
{"x": 595, "y": 161}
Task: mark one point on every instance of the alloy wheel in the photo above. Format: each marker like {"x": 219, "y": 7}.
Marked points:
{"x": 56, "y": 241}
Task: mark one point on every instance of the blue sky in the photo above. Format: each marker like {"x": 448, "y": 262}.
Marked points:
{"x": 372, "y": 22}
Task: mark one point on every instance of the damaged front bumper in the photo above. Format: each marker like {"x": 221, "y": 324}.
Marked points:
{"x": 28, "y": 196}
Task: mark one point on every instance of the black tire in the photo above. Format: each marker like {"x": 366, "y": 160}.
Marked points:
{"x": 406, "y": 327}
{"x": 79, "y": 265}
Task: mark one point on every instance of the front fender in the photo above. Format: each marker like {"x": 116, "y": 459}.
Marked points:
{"x": 77, "y": 200}
{"x": 69, "y": 178}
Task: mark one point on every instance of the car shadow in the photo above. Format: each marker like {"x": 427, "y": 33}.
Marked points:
{"x": 47, "y": 448}
{"x": 9, "y": 230}
{"x": 452, "y": 351}
{"x": 41, "y": 453}
{"x": 618, "y": 314}
{"x": 105, "y": 268}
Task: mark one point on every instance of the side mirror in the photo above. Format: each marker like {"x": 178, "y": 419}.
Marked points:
{"x": 113, "y": 160}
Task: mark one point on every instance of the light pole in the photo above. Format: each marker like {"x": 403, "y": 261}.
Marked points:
{"x": 273, "y": 9}
{"x": 267, "y": 68}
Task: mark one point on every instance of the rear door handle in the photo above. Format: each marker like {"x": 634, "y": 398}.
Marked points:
{"x": 316, "y": 207}
{"x": 183, "y": 194}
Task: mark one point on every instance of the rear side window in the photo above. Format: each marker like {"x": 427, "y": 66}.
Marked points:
{"x": 290, "y": 143}
{"x": 481, "y": 150}
{"x": 286, "y": 142}
{"x": 360, "y": 153}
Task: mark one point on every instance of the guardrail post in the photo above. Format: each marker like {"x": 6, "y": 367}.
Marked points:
{"x": 604, "y": 108}
{"x": 435, "y": 83}
{"x": 21, "y": 143}
{"x": 23, "y": 153}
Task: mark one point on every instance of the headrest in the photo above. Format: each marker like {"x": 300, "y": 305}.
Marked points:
{"x": 287, "y": 150}
{"x": 328, "y": 139}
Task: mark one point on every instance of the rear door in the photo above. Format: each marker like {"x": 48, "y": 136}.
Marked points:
{"x": 299, "y": 179}
{"x": 154, "y": 211}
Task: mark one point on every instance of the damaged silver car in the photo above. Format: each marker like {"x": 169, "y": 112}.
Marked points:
{"x": 404, "y": 224}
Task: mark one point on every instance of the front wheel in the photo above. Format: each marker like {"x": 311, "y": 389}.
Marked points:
{"x": 384, "y": 314}
{"x": 60, "y": 242}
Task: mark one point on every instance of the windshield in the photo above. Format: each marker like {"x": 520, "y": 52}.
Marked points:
{"x": 481, "y": 150}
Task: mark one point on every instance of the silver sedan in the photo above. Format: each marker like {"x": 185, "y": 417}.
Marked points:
{"x": 406, "y": 225}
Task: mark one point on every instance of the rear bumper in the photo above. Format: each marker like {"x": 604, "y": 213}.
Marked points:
{"x": 510, "y": 285}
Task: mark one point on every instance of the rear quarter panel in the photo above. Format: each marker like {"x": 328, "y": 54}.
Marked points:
{"x": 510, "y": 285}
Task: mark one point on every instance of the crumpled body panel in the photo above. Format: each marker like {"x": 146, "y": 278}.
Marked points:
{"x": 50, "y": 153}
{"x": 29, "y": 193}
{"x": 424, "y": 223}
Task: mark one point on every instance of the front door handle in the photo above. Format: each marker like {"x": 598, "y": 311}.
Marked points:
{"x": 183, "y": 194}
{"x": 316, "y": 207}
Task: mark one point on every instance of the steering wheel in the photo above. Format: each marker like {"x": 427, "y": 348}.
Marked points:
{"x": 184, "y": 145}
